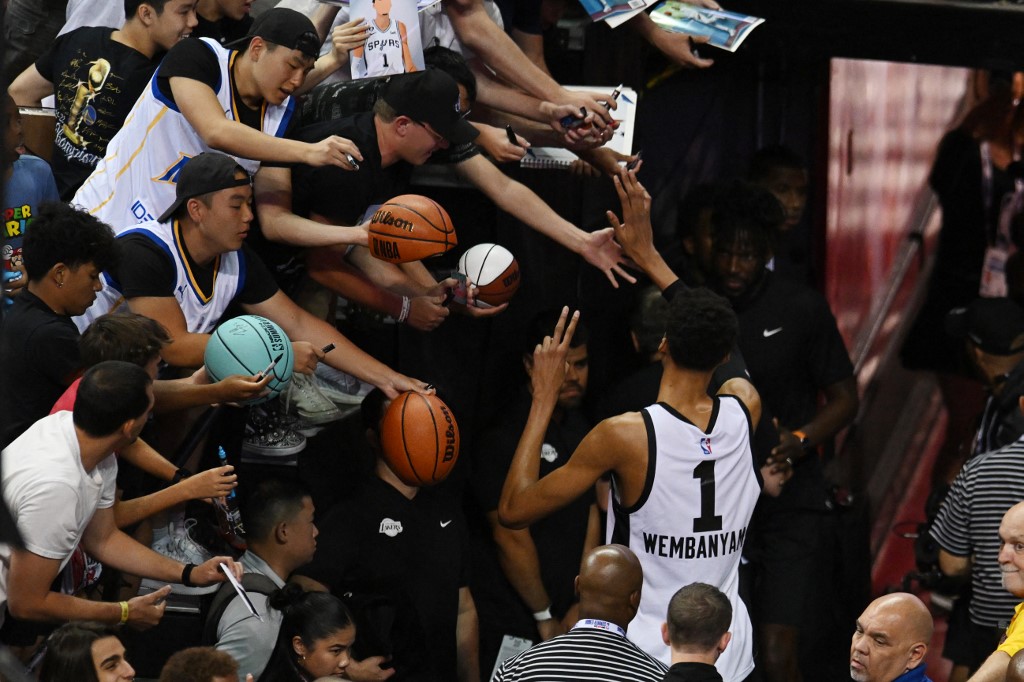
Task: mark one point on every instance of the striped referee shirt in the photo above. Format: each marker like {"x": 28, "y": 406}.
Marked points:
{"x": 968, "y": 524}
{"x": 584, "y": 654}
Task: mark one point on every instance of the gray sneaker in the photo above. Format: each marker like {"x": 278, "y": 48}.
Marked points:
{"x": 268, "y": 436}
{"x": 180, "y": 546}
{"x": 340, "y": 387}
{"x": 306, "y": 400}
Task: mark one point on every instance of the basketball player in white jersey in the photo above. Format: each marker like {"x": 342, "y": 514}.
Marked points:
{"x": 684, "y": 481}
{"x": 386, "y": 50}
{"x": 206, "y": 97}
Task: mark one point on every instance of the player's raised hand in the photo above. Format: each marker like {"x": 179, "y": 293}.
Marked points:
{"x": 634, "y": 233}
{"x": 602, "y": 251}
{"x": 348, "y": 36}
{"x": 549, "y": 363}
{"x": 146, "y": 611}
{"x": 333, "y": 151}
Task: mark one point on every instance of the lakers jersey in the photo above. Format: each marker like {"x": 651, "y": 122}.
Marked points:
{"x": 136, "y": 179}
{"x": 691, "y": 520}
{"x": 383, "y": 50}
{"x": 202, "y": 309}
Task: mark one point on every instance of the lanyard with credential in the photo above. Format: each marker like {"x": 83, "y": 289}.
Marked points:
{"x": 597, "y": 624}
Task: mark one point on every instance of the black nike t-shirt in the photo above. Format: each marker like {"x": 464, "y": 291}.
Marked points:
{"x": 225, "y": 30}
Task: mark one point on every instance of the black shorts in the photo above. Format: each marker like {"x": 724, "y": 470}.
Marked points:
{"x": 789, "y": 552}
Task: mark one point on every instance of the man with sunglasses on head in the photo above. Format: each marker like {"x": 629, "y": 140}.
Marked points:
{"x": 235, "y": 98}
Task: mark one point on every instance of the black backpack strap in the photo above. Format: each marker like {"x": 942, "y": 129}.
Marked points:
{"x": 251, "y": 582}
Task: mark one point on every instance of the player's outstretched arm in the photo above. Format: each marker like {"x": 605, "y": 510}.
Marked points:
{"x": 202, "y": 110}
{"x": 635, "y": 233}
{"x": 526, "y": 498}
{"x": 272, "y": 194}
{"x": 598, "y": 248}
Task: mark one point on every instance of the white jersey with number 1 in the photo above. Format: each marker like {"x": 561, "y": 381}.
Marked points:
{"x": 691, "y": 520}
{"x": 383, "y": 51}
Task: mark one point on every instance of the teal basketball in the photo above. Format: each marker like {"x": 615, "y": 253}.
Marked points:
{"x": 247, "y": 345}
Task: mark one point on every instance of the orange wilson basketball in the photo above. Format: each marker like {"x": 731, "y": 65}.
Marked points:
{"x": 494, "y": 271}
{"x": 420, "y": 439}
{"x": 410, "y": 227}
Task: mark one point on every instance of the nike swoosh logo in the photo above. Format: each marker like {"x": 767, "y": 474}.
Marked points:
{"x": 771, "y": 332}
{"x": 444, "y": 524}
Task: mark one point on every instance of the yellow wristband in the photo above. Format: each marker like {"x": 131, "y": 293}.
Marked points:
{"x": 124, "y": 612}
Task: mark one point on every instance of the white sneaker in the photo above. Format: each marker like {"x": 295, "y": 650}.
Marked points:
{"x": 180, "y": 546}
{"x": 307, "y": 400}
{"x": 340, "y": 387}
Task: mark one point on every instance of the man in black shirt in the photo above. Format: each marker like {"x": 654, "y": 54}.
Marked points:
{"x": 398, "y": 555}
{"x": 64, "y": 253}
{"x": 794, "y": 353}
{"x": 697, "y": 629}
{"x": 96, "y": 74}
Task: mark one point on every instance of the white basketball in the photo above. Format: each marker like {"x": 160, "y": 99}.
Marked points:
{"x": 495, "y": 272}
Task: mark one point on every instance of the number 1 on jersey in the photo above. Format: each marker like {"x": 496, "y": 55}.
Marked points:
{"x": 708, "y": 520}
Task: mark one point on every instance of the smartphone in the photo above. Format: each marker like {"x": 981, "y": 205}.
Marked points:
{"x": 457, "y": 294}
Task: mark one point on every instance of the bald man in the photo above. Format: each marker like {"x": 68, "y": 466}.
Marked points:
{"x": 595, "y": 648}
{"x": 891, "y": 640}
{"x": 1011, "y": 565}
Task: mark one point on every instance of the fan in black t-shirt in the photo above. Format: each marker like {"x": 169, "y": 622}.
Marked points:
{"x": 96, "y": 74}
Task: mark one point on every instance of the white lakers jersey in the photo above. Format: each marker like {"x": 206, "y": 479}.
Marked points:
{"x": 202, "y": 309}
{"x": 691, "y": 520}
{"x": 383, "y": 50}
{"x": 135, "y": 182}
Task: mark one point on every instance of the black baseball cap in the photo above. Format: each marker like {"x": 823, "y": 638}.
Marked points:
{"x": 430, "y": 96}
{"x": 994, "y": 325}
{"x": 202, "y": 174}
{"x": 285, "y": 27}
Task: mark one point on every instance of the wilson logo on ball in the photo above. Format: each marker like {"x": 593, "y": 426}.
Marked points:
{"x": 383, "y": 217}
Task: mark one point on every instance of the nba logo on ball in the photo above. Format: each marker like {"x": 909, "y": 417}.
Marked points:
{"x": 247, "y": 345}
{"x": 494, "y": 271}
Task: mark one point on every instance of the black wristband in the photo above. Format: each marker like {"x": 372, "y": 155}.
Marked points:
{"x": 180, "y": 475}
{"x": 186, "y": 575}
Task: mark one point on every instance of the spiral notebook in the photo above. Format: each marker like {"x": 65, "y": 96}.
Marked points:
{"x": 622, "y": 141}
